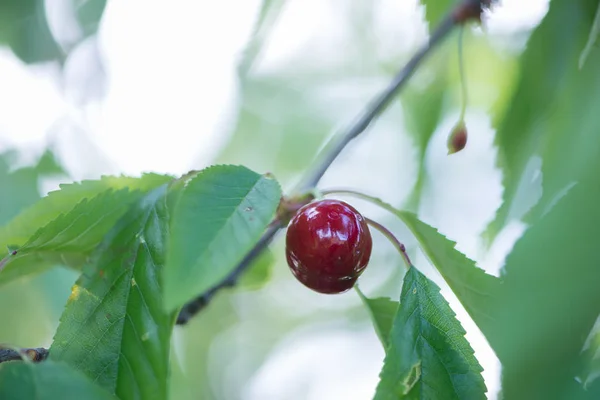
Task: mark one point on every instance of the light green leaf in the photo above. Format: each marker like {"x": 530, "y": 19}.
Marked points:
{"x": 591, "y": 357}
{"x": 300, "y": 128}
{"x": 22, "y": 184}
{"x": 48, "y": 380}
{"x": 266, "y": 21}
{"x": 23, "y": 226}
{"x": 428, "y": 356}
{"x": 73, "y": 229}
{"x": 382, "y": 311}
{"x": 423, "y": 108}
{"x": 592, "y": 39}
{"x": 258, "y": 273}
{"x": 435, "y": 10}
{"x": 219, "y": 216}
{"x": 553, "y": 113}
{"x": 550, "y": 300}
{"x": 70, "y": 238}
{"x": 114, "y": 328}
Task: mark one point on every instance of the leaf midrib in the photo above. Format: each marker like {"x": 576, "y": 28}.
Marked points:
{"x": 227, "y": 222}
{"x": 422, "y": 320}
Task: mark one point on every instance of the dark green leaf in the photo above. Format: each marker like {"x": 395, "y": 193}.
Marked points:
{"x": 48, "y": 380}
{"x": 219, "y": 216}
{"x": 553, "y": 113}
{"x": 382, "y": 311}
{"x": 24, "y": 27}
{"x": 114, "y": 328}
{"x": 550, "y": 299}
{"x": 428, "y": 356}
{"x": 89, "y": 13}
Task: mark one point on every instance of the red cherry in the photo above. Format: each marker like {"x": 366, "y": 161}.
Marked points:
{"x": 328, "y": 246}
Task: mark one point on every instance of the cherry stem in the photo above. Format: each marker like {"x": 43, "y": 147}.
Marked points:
{"x": 354, "y": 193}
{"x": 390, "y": 236}
{"x": 377, "y": 202}
{"x": 461, "y": 71}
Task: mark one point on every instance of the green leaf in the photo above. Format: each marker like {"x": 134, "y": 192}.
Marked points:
{"x": 71, "y": 224}
{"x": 23, "y": 226}
{"x": 382, "y": 311}
{"x": 423, "y": 109}
{"x": 70, "y": 238}
{"x": 428, "y": 356}
{"x": 591, "y": 358}
{"x": 259, "y": 273}
{"x": 47, "y": 381}
{"x": 219, "y": 216}
{"x": 550, "y": 299}
{"x": 476, "y": 290}
{"x": 89, "y": 13}
{"x": 435, "y": 10}
{"x": 270, "y": 11}
{"x": 114, "y": 328}
{"x": 25, "y": 29}
{"x": 592, "y": 39}
{"x": 23, "y": 183}
{"x": 423, "y": 106}
{"x": 539, "y": 122}
{"x": 301, "y": 126}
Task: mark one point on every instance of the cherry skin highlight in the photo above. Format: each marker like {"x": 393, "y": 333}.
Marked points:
{"x": 328, "y": 246}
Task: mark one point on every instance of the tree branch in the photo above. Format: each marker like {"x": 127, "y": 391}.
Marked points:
{"x": 12, "y": 354}
{"x": 464, "y": 11}
{"x": 194, "y": 306}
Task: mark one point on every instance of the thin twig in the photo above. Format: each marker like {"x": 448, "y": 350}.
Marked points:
{"x": 464, "y": 11}
{"x": 194, "y": 306}
{"x": 374, "y": 109}
{"x": 14, "y": 354}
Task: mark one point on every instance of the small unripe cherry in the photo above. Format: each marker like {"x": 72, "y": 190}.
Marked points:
{"x": 328, "y": 246}
{"x": 458, "y": 138}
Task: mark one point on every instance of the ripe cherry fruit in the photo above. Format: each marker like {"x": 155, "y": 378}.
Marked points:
{"x": 328, "y": 246}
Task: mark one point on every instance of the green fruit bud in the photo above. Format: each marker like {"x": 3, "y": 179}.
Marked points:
{"x": 458, "y": 138}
